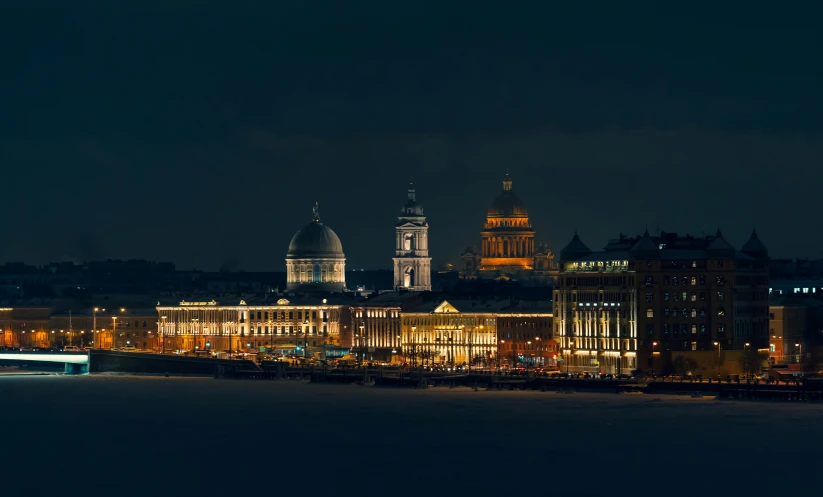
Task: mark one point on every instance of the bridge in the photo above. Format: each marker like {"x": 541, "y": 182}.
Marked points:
{"x": 76, "y": 362}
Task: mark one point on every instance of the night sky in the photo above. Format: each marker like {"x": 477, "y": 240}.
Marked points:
{"x": 203, "y": 136}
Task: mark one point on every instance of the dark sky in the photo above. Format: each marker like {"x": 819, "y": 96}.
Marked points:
{"x": 203, "y": 135}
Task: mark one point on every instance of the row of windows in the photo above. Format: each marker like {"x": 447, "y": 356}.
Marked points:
{"x": 676, "y": 329}
{"x": 286, "y": 330}
{"x": 684, "y": 312}
{"x": 264, "y": 315}
{"x": 685, "y": 296}
{"x": 686, "y": 280}
{"x": 126, "y": 323}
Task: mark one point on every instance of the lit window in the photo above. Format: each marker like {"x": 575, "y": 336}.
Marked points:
{"x": 721, "y": 312}
{"x": 771, "y": 347}
{"x": 685, "y": 297}
{"x": 694, "y": 329}
{"x": 694, "y": 297}
{"x": 721, "y": 296}
{"x": 694, "y": 281}
{"x": 694, "y": 312}
{"x": 649, "y": 313}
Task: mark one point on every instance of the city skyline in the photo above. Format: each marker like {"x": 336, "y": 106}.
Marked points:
{"x": 737, "y": 234}
{"x": 141, "y": 132}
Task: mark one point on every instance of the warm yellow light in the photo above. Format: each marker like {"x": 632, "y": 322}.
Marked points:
{"x": 747, "y": 345}
{"x": 654, "y": 344}
{"x": 96, "y": 309}
{"x": 716, "y": 343}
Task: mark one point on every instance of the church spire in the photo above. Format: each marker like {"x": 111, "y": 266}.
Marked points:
{"x": 316, "y": 212}
{"x": 411, "y": 191}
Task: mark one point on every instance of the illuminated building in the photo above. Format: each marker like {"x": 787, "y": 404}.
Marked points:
{"x": 643, "y": 299}
{"x": 315, "y": 261}
{"x": 412, "y": 264}
{"x": 25, "y": 326}
{"x": 450, "y": 332}
{"x": 507, "y": 244}
{"x": 307, "y": 326}
{"x": 116, "y": 327}
{"x": 526, "y": 336}
{"x": 791, "y": 319}
{"x": 376, "y": 325}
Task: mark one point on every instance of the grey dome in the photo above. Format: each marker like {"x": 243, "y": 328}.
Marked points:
{"x": 507, "y": 204}
{"x": 315, "y": 240}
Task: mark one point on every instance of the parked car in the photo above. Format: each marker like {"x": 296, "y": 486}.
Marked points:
{"x": 128, "y": 348}
{"x": 71, "y": 348}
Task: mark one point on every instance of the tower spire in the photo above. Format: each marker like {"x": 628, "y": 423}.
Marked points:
{"x": 507, "y": 181}
{"x": 316, "y": 212}
{"x": 411, "y": 191}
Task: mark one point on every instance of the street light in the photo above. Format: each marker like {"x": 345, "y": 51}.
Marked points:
{"x": 94, "y": 324}
{"x": 360, "y": 341}
{"x": 800, "y": 352}
{"x": 415, "y": 352}
{"x": 718, "y": 349}
{"x": 527, "y": 362}
{"x": 654, "y": 344}
{"x": 163, "y": 336}
{"x": 114, "y": 332}
{"x": 305, "y": 339}
{"x": 193, "y": 337}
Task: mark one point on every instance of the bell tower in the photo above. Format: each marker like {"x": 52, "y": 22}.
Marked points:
{"x": 412, "y": 264}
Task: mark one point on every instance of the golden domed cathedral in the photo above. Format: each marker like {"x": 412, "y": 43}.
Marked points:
{"x": 507, "y": 244}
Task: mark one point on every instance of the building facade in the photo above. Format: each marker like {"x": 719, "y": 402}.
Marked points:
{"x": 526, "y": 337}
{"x": 376, "y": 326}
{"x": 507, "y": 247}
{"x": 412, "y": 264}
{"x": 315, "y": 262}
{"x": 795, "y": 330}
{"x": 454, "y": 333}
{"x": 308, "y": 326}
{"x": 444, "y": 334}
{"x": 25, "y": 326}
{"x": 641, "y": 300}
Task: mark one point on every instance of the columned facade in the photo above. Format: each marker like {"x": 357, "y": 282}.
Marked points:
{"x": 507, "y": 240}
{"x": 448, "y": 337}
{"x": 283, "y": 326}
{"x": 412, "y": 264}
{"x": 507, "y": 248}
